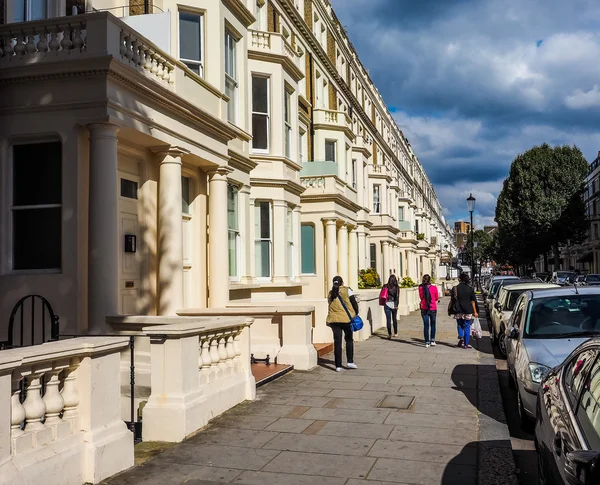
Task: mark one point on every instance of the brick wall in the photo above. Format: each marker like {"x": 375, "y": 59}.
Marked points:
{"x": 136, "y": 7}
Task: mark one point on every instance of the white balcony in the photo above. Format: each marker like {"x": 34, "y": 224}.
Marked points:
{"x": 321, "y": 178}
{"x": 271, "y": 46}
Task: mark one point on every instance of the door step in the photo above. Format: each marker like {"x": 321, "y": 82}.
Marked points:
{"x": 323, "y": 349}
{"x": 264, "y": 373}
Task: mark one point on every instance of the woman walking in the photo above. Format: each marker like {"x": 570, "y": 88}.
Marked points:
{"x": 391, "y": 305}
{"x": 342, "y": 308}
{"x": 429, "y": 296}
{"x": 466, "y": 308}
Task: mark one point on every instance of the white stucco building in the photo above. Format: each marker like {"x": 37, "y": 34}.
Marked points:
{"x": 241, "y": 142}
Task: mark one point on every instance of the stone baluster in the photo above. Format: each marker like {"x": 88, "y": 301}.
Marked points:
{"x": 77, "y": 39}
{"x": 206, "y": 359}
{"x": 230, "y": 352}
{"x": 215, "y": 357}
{"x": 122, "y": 48}
{"x": 69, "y": 393}
{"x": 200, "y": 361}
{"x": 52, "y": 398}
{"x": 135, "y": 45}
{"x": 222, "y": 353}
{"x": 42, "y": 45}
{"x": 66, "y": 43}
{"x": 20, "y": 45}
{"x": 17, "y": 413}
{"x": 8, "y": 46}
{"x": 34, "y": 405}
{"x": 167, "y": 72}
{"x": 154, "y": 68}
{"x": 30, "y": 46}
{"x": 54, "y": 44}
{"x": 148, "y": 57}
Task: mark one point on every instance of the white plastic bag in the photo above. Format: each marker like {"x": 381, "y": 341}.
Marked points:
{"x": 476, "y": 328}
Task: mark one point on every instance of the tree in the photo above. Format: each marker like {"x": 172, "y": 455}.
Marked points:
{"x": 483, "y": 249}
{"x": 541, "y": 203}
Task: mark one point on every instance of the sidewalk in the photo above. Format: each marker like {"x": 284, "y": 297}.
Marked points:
{"x": 328, "y": 428}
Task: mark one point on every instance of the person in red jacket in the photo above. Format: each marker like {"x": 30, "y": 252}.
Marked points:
{"x": 429, "y": 296}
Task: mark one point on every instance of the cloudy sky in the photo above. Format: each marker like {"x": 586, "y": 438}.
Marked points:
{"x": 473, "y": 83}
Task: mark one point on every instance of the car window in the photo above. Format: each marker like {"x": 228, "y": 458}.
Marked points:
{"x": 511, "y": 300}
{"x": 565, "y": 315}
{"x": 588, "y": 411}
{"x": 494, "y": 289}
{"x": 575, "y": 371}
{"x": 518, "y": 315}
{"x": 593, "y": 278}
{"x": 502, "y": 296}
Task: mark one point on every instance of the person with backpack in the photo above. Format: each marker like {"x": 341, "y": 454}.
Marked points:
{"x": 389, "y": 298}
{"x": 429, "y": 296}
{"x": 464, "y": 308}
{"x": 342, "y": 304}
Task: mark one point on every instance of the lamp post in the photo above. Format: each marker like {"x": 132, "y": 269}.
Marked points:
{"x": 471, "y": 209}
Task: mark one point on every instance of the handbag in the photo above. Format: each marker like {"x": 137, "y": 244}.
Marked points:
{"x": 356, "y": 323}
{"x": 453, "y": 305}
{"x": 383, "y": 296}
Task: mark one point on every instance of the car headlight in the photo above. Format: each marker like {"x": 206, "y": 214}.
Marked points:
{"x": 538, "y": 372}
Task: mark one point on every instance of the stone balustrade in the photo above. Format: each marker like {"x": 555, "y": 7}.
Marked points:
{"x": 60, "y": 403}
{"x": 282, "y": 332}
{"x": 199, "y": 370}
{"x": 272, "y": 43}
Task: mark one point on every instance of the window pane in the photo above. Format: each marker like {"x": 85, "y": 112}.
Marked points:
{"x": 265, "y": 220}
{"x": 37, "y": 238}
{"x": 308, "y": 249}
{"x": 588, "y": 412}
{"x": 38, "y": 9}
{"x": 230, "y": 91}
{"x": 185, "y": 195}
{"x": 230, "y": 55}
{"x": 190, "y": 36}
{"x": 263, "y": 263}
{"x": 286, "y": 108}
{"x": 330, "y": 151}
{"x": 37, "y": 174}
{"x": 260, "y": 95}
{"x": 373, "y": 255}
{"x": 129, "y": 189}
{"x": 401, "y": 213}
{"x": 232, "y": 216}
{"x": 575, "y": 371}
{"x": 194, "y": 67}
{"x": 260, "y": 125}
{"x": 19, "y": 11}
{"x": 233, "y": 254}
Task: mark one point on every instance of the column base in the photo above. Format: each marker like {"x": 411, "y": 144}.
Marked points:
{"x": 302, "y": 357}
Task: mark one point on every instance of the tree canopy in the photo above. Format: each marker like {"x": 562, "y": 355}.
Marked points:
{"x": 541, "y": 203}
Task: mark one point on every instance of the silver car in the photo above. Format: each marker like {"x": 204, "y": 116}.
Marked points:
{"x": 546, "y": 326}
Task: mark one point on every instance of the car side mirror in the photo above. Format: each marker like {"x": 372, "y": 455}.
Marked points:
{"x": 498, "y": 306}
{"x": 582, "y": 467}
{"x": 514, "y": 333}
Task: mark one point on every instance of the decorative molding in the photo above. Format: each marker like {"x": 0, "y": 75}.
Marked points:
{"x": 274, "y": 158}
{"x": 291, "y": 68}
{"x": 241, "y": 161}
{"x": 287, "y": 185}
{"x": 240, "y": 11}
{"x": 336, "y": 198}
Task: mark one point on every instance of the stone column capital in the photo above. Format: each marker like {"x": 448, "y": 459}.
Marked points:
{"x": 170, "y": 154}
{"x": 280, "y": 203}
{"x": 218, "y": 173}
{"x": 103, "y": 130}
{"x": 329, "y": 221}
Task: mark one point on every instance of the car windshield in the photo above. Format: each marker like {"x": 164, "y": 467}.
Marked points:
{"x": 494, "y": 289}
{"x": 563, "y": 316}
{"x": 563, "y": 274}
{"x": 593, "y": 277}
{"x": 511, "y": 299}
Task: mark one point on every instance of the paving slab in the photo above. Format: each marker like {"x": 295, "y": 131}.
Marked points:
{"x": 321, "y": 427}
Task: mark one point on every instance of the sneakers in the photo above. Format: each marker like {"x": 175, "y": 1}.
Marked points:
{"x": 395, "y": 335}
{"x": 461, "y": 343}
{"x": 427, "y": 345}
{"x": 468, "y": 347}
{"x": 338, "y": 369}
{"x": 351, "y": 365}
{"x": 433, "y": 344}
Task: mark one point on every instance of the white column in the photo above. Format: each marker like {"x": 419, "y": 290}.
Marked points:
{"x": 246, "y": 243}
{"x": 331, "y": 251}
{"x": 343, "y": 253}
{"x": 362, "y": 250}
{"x": 280, "y": 245}
{"x": 103, "y": 244}
{"x": 218, "y": 261}
{"x": 297, "y": 241}
{"x": 386, "y": 261}
{"x": 353, "y": 260}
{"x": 170, "y": 233}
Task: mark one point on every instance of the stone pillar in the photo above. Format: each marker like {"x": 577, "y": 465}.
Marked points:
{"x": 330, "y": 251}
{"x": 218, "y": 266}
{"x": 103, "y": 244}
{"x": 170, "y": 233}
{"x": 343, "y": 253}
{"x": 297, "y": 241}
{"x": 353, "y": 260}
{"x": 385, "y": 267}
{"x": 363, "y": 262}
{"x": 280, "y": 246}
{"x": 244, "y": 209}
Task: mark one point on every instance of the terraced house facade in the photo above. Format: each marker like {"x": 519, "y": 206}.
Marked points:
{"x": 159, "y": 156}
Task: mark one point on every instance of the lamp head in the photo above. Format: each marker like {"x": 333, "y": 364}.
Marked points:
{"x": 471, "y": 203}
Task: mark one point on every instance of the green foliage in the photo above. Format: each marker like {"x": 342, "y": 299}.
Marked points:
{"x": 541, "y": 204}
{"x": 368, "y": 278}
{"x": 421, "y": 236}
{"x": 407, "y": 282}
{"x": 484, "y": 249}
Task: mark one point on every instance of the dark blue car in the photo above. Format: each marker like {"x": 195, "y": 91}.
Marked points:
{"x": 567, "y": 433}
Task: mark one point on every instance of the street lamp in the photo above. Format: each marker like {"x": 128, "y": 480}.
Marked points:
{"x": 471, "y": 209}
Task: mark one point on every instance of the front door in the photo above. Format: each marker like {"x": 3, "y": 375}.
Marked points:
{"x": 129, "y": 240}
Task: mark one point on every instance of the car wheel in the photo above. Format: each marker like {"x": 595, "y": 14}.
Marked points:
{"x": 502, "y": 344}
{"x": 525, "y": 420}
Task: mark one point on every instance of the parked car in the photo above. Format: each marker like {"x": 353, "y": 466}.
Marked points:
{"x": 591, "y": 280}
{"x": 567, "y": 432}
{"x": 563, "y": 278}
{"x": 491, "y": 302}
{"x": 495, "y": 284}
{"x": 504, "y": 306}
{"x": 545, "y": 277}
{"x": 546, "y": 326}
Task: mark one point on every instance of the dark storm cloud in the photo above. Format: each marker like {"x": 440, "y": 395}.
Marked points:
{"x": 472, "y": 86}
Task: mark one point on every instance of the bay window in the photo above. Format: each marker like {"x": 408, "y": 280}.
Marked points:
{"x": 37, "y": 206}
{"x": 191, "y": 42}
{"x": 263, "y": 239}
{"x": 260, "y": 114}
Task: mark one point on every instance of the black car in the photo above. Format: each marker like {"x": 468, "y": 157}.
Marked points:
{"x": 567, "y": 433}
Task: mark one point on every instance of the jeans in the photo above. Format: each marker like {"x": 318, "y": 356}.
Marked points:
{"x": 337, "y": 329}
{"x": 391, "y": 315}
{"x": 464, "y": 330}
{"x": 429, "y": 316}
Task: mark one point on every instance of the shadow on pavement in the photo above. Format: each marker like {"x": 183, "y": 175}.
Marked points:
{"x": 482, "y": 462}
